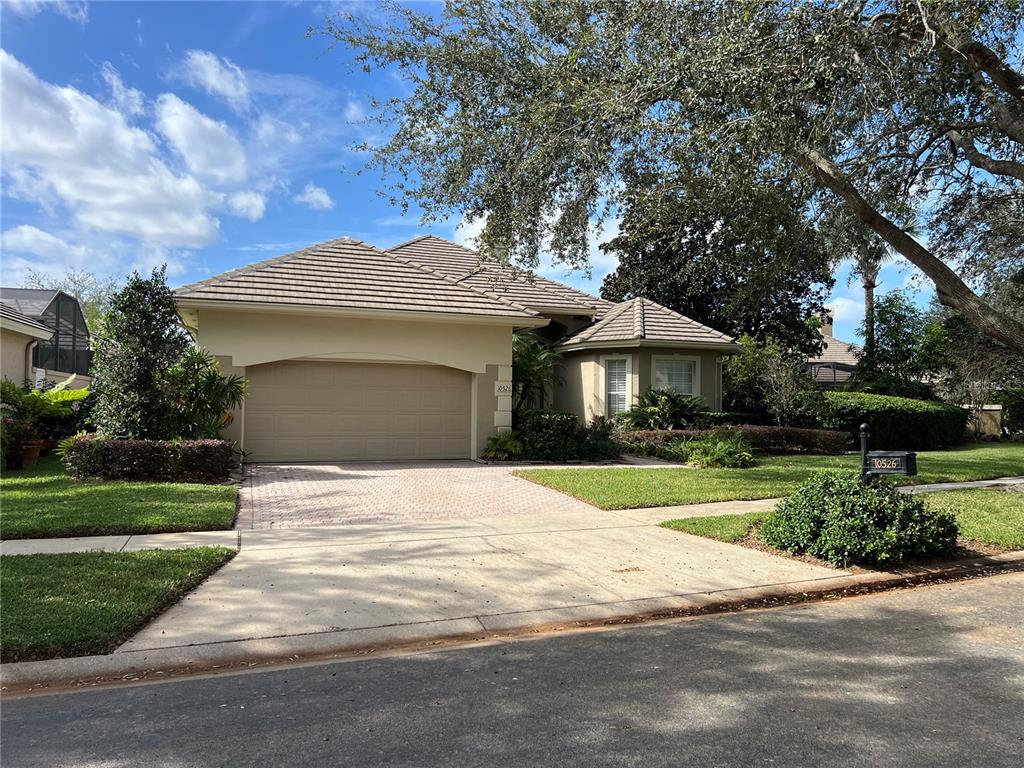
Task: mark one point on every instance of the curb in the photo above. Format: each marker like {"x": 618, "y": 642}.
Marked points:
{"x": 239, "y": 655}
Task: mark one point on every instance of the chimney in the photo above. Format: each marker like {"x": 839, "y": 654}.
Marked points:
{"x": 826, "y": 321}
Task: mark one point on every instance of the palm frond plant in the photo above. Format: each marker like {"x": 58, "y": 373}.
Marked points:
{"x": 534, "y": 371}
{"x": 203, "y": 396}
{"x": 663, "y": 408}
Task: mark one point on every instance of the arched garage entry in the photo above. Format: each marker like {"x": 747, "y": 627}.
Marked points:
{"x": 305, "y": 410}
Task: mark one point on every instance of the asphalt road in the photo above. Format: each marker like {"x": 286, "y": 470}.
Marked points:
{"x": 926, "y": 677}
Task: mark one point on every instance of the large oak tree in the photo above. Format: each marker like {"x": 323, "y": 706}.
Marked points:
{"x": 540, "y": 115}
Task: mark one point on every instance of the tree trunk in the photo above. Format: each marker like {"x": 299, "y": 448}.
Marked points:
{"x": 950, "y": 289}
{"x": 869, "y": 319}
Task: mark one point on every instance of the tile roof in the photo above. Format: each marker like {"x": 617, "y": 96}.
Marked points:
{"x": 836, "y": 351}
{"x": 642, "y": 320}
{"x": 28, "y": 301}
{"x": 467, "y": 267}
{"x": 350, "y": 274}
{"x": 7, "y": 312}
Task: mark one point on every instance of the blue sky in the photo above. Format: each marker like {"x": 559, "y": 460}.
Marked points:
{"x": 205, "y": 136}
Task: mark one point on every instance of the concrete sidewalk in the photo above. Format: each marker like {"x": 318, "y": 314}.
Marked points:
{"x": 490, "y": 574}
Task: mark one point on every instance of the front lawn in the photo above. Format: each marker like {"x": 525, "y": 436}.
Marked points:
{"x": 633, "y": 487}
{"x": 43, "y": 502}
{"x": 90, "y": 602}
{"x": 991, "y": 517}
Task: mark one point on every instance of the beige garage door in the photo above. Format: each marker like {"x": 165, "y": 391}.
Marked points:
{"x": 318, "y": 411}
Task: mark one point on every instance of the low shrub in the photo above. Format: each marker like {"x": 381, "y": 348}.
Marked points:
{"x": 760, "y": 438}
{"x": 558, "y": 436}
{"x": 663, "y": 409}
{"x": 895, "y": 422}
{"x": 727, "y": 419}
{"x": 726, "y": 449}
{"x": 503, "y": 446}
{"x": 186, "y": 461}
{"x": 837, "y": 518}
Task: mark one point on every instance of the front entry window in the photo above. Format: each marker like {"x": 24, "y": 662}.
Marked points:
{"x": 615, "y": 386}
{"x": 674, "y": 374}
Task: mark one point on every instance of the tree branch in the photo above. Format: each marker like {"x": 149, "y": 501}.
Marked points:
{"x": 1002, "y": 74}
{"x": 951, "y": 290}
{"x": 980, "y": 160}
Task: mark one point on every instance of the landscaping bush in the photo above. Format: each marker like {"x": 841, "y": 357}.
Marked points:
{"x": 504, "y": 446}
{"x": 726, "y": 448}
{"x": 896, "y": 422}
{"x": 709, "y": 419}
{"x": 557, "y": 436}
{"x": 663, "y": 409}
{"x": 761, "y": 438}
{"x": 835, "y": 517}
{"x": 187, "y": 461}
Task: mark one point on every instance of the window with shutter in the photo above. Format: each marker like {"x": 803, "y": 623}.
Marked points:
{"x": 674, "y": 374}
{"x": 616, "y": 386}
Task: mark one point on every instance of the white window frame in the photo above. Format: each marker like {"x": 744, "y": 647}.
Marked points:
{"x": 603, "y": 383}
{"x": 695, "y": 359}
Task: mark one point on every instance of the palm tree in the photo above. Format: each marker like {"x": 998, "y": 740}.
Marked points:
{"x": 868, "y": 260}
{"x": 534, "y": 370}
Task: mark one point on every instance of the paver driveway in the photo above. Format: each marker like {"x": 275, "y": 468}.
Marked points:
{"x": 298, "y": 495}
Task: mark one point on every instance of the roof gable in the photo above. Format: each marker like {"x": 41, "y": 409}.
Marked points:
{"x": 350, "y": 274}
{"x": 468, "y": 268}
{"x": 641, "y": 320}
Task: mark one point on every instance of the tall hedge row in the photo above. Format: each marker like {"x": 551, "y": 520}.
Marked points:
{"x": 896, "y": 422}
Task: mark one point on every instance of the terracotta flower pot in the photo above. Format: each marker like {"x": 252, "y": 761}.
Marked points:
{"x": 25, "y": 454}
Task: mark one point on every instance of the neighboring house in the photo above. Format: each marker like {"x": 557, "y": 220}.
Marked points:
{"x": 18, "y": 334}
{"x": 358, "y": 353}
{"x": 837, "y": 361}
{"x": 63, "y": 349}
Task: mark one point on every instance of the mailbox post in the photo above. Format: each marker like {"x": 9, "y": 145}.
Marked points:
{"x": 874, "y": 463}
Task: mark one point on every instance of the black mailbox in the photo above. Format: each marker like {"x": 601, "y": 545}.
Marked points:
{"x": 891, "y": 463}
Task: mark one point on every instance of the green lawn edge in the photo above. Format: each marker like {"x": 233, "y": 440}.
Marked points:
{"x": 45, "y": 503}
{"x": 988, "y": 516}
{"x": 614, "y": 488}
{"x": 87, "y": 603}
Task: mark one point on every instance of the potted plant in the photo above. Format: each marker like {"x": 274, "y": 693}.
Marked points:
{"x": 23, "y": 443}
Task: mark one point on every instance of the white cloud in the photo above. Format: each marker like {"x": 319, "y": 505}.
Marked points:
{"x": 217, "y": 76}
{"x": 206, "y": 145}
{"x": 85, "y": 156}
{"x": 847, "y": 310}
{"x": 75, "y": 11}
{"x": 315, "y": 197}
{"x": 248, "y": 205}
{"x": 354, "y": 112}
{"x": 270, "y": 131}
{"x": 127, "y": 101}
{"x": 27, "y": 239}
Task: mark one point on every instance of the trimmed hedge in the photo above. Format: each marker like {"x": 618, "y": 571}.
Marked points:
{"x": 182, "y": 461}
{"x": 558, "y": 436}
{"x": 897, "y": 423}
{"x": 837, "y": 518}
{"x": 761, "y": 438}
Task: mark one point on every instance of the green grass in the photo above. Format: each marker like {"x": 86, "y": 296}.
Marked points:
{"x": 43, "y": 502}
{"x": 633, "y": 487}
{"x": 88, "y": 603}
{"x": 992, "y": 517}
{"x": 727, "y": 528}
{"x": 988, "y": 516}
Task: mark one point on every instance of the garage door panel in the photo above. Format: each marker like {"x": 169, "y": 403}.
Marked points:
{"x": 327, "y": 411}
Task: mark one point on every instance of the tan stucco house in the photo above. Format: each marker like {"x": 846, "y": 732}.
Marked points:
{"x": 44, "y": 337}
{"x": 358, "y": 353}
